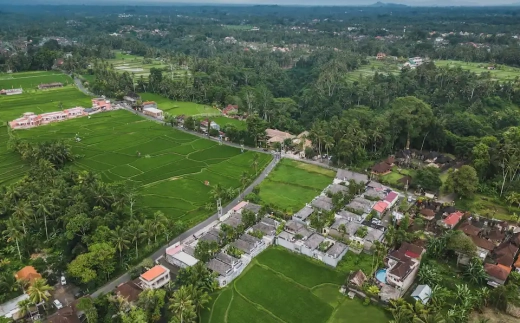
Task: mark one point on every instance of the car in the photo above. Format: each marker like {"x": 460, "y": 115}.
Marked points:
{"x": 63, "y": 281}
{"x": 58, "y": 304}
{"x": 78, "y": 294}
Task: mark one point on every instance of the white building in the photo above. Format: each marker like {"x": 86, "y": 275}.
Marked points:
{"x": 155, "y": 278}
{"x": 176, "y": 256}
{"x": 227, "y": 268}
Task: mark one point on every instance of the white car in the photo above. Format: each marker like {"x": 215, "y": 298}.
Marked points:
{"x": 57, "y": 303}
{"x": 63, "y": 281}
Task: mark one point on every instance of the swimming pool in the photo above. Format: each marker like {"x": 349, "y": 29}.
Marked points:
{"x": 381, "y": 275}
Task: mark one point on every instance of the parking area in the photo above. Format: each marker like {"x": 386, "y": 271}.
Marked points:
{"x": 65, "y": 294}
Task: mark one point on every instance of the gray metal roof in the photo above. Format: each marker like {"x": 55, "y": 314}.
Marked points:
{"x": 293, "y": 225}
{"x": 265, "y": 228}
{"x": 269, "y": 221}
{"x": 249, "y": 238}
{"x": 219, "y": 267}
{"x": 243, "y": 245}
{"x": 255, "y": 208}
{"x": 234, "y": 220}
{"x": 225, "y": 258}
{"x": 211, "y": 235}
{"x": 375, "y": 194}
{"x": 323, "y": 202}
{"x": 336, "y": 188}
{"x": 347, "y": 214}
{"x": 304, "y": 213}
{"x": 336, "y": 249}
{"x": 314, "y": 241}
{"x": 374, "y": 234}
{"x": 346, "y": 175}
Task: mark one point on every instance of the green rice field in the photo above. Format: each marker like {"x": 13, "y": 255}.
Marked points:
{"x": 385, "y": 67}
{"x": 179, "y": 108}
{"x": 280, "y": 286}
{"x": 501, "y": 73}
{"x": 31, "y": 80}
{"x": 169, "y": 167}
{"x": 222, "y": 121}
{"x": 137, "y": 66}
{"x": 38, "y": 101}
{"x": 292, "y": 184}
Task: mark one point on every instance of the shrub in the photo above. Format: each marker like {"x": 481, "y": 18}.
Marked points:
{"x": 366, "y": 302}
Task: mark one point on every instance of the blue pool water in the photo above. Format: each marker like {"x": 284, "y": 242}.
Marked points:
{"x": 381, "y": 275}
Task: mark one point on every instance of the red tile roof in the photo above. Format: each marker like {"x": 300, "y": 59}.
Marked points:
{"x": 427, "y": 212}
{"x": 380, "y": 206}
{"x": 497, "y": 271}
{"x": 153, "y": 273}
{"x": 27, "y": 273}
{"x": 469, "y": 229}
{"x": 483, "y": 243}
{"x": 391, "y": 197}
{"x": 454, "y": 218}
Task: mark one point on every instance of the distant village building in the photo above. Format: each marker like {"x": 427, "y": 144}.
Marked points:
{"x": 380, "y": 56}
{"x": 153, "y": 112}
{"x": 11, "y": 91}
{"x": 50, "y": 85}
{"x": 31, "y": 120}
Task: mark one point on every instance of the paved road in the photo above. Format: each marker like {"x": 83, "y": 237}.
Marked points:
{"x": 126, "y": 277}
{"x": 80, "y": 86}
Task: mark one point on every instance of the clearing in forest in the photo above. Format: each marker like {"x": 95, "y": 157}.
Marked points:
{"x": 173, "y": 171}
{"x": 292, "y": 184}
{"x": 500, "y": 72}
{"x": 280, "y": 286}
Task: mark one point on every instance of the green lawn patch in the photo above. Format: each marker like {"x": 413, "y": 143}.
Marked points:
{"x": 292, "y": 184}
{"x": 180, "y": 108}
{"x": 353, "y": 310}
{"x": 279, "y": 293}
{"x": 31, "y": 80}
{"x": 223, "y": 121}
{"x": 220, "y": 306}
{"x": 329, "y": 293}
{"x": 242, "y": 311}
{"x": 301, "y": 269}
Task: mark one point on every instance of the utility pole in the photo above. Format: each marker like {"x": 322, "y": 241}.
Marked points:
{"x": 219, "y": 208}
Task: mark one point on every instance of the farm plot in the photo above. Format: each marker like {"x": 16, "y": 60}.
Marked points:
{"x": 40, "y": 101}
{"x": 178, "y": 108}
{"x": 11, "y": 166}
{"x": 139, "y": 66}
{"x": 500, "y": 73}
{"x": 292, "y": 184}
{"x": 385, "y": 67}
{"x": 31, "y": 80}
{"x": 121, "y": 146}
{"x": 270, "y": 290}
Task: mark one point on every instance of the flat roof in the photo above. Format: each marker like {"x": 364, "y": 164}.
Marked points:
{"x": 153, "y": 110}
{"x": 173, "y": 250}
{"x": 185, "y": 258}
{"x": 239, "y": 206}
{"x": 10, "y": 308}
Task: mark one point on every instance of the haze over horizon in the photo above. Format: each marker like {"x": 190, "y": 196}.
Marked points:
{"x": 271, "y": 2}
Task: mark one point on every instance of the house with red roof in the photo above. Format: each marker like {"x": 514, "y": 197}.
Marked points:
{"x": 155, "y": 278}
{"x": 391, "y": 198}
{"x": 453, "y": 219}
{"x": 497, "y": 274}
{"x": 230, "y": 109}
{"x": 381, "y": 207}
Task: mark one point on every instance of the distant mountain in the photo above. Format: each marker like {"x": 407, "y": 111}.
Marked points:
{"x": 388, "y": 5}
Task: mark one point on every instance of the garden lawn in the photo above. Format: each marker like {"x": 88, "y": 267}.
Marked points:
{"x": 169, "y": 168}
{"x": 178, "y": 108}
{"x": 292, "y": 184}
{"x": 223, "y": 121}
{"x": 385, "y": 67}
{"x": 281, "y": 286}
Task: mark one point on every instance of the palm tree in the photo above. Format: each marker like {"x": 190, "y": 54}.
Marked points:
{"x": 39, "y": 290}
{"x": 120, "y": 241}
{"x": 230, "y": 193}
{"x": 200, "y": 298}
{"x": 254, "y": 164}
{"x": 14, "y": 232}
{"x": 182, "y": 305}
{"x": 43, "y": 211}
{"x": 244, "y": 179}
{"x": 23, "y": 211}
{"x": 148, "y": 230}
{"x": 217, "y": 192}
{"x": 136, "y": 234}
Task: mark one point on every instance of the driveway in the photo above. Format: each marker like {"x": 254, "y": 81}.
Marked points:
{"x": 65, "y": 294}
